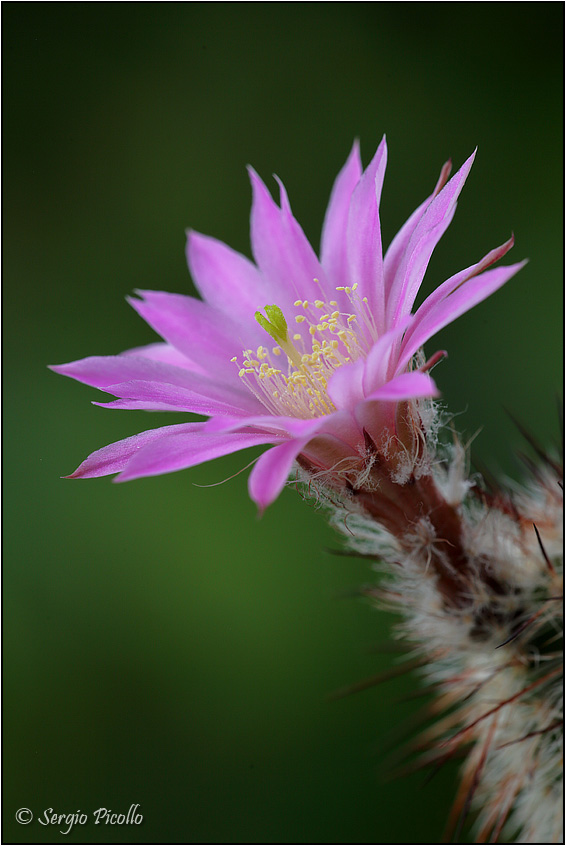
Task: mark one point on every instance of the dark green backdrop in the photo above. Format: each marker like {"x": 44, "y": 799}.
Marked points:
{"x": 163, "y": 646}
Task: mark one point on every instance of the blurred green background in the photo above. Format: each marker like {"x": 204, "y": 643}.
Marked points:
{"x": 162, "y": 645}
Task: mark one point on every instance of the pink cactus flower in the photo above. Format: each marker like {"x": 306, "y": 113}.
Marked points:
{"x": 309, "y": 355}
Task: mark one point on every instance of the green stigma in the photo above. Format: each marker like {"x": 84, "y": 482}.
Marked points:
{"x": 274, "y": 324}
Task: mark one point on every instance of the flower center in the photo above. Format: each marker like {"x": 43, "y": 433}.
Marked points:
{"x": 328, "y": 338}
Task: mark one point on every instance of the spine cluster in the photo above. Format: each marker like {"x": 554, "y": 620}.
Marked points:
{"x": 476, "y": 575}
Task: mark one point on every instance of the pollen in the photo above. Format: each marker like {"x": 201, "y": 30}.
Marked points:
{"x": 322, "y": 344}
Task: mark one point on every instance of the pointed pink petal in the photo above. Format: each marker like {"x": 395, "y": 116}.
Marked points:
{"x": 294, "y": 426}
{"x": 143, "y": 405}
{"x": 455, "y": 304}
{"x": 406, "y": 386}
{"x": 170, "y": 396}
{"x": 365, "y": 258}
{"x": 114, "y": 458}
{"x": 380, "y": 364}
{"x": 301, "y": 254}
{"x": 333, "y": 251}
{"x": 161, "y": 352}
{"x": 271, "y": 471}
{"x": 204, "y": 335}
{"x": 340, "y": 424}
{"x": 228, "y": 281}
{"x": 457, "y": 280}
{"x": 426, "y": 235}
{"x": 99, "y": 371}
{"x": 281, "y": 249}
{"x": 182, "y": 450}
{"x": 345, "y": 385}
{"x": 401, "y": 240}
{"x": 107, "y": 372}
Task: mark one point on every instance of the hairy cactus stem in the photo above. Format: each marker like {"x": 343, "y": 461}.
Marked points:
{"x": 399, "y": 506}
{"x": 416, "y": 498}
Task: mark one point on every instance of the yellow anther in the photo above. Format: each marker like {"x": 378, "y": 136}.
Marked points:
{"x": 300, "y": 318}
{"x": 297, "y": 337}
{"x": 333, "y": 303}
{"x": 341, "y": 288}
{"x": 312, "y": 330}
{"x": 305, "y": 303}
{"x": 276, "y": 350}
{"x": 241, "y": 373}
{"x": 351, "y": 318}
{"x": 235, "y": 358}
{"x": 335, "y": 315}
{"x": 319, "y": 304}
{"x": 354, "y": 286}
{"x": 298, "y": 302}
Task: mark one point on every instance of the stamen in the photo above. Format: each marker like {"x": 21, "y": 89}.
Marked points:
{"x": 336, "y": 338}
